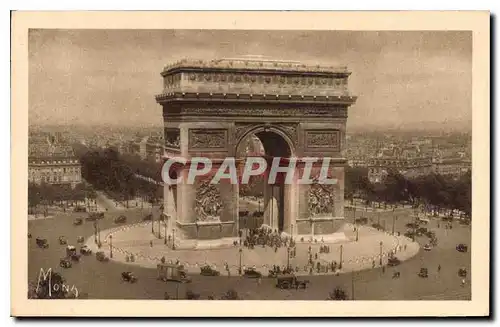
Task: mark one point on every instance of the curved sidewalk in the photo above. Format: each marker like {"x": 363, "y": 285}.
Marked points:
{"x": 356, "y": 255}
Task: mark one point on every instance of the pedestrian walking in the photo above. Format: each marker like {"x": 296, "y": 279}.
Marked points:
{"x": 151, "y": 243}
{"x": 439, "y": 268}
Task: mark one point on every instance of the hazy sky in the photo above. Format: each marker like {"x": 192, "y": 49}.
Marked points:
{"x": 112, "y": 76}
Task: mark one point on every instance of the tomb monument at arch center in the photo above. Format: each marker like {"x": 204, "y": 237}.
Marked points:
{"x": 296, "y": 110}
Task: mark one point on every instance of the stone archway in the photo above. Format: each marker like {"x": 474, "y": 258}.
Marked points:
{"x": 208, "y": 107}
{"x": 279, "y": 206}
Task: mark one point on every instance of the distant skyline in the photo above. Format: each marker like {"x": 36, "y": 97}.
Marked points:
{"x": 408, "y": 80}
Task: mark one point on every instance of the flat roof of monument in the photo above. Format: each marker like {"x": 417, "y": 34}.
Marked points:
{"x": 257, "y": 63}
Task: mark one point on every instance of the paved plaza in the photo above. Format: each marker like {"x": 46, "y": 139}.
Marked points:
{"x": 363, "y": 254}
{"x": 102, "y": 280}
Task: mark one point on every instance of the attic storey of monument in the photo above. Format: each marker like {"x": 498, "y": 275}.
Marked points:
{"x": 297, "y": 111}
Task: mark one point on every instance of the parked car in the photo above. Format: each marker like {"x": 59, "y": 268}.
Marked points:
{"x": 42, "y": 243}
{"x": 147, "y": 217}
{"x": 65, "y": 263}
{"x": 208, "y": 271}
{"x": 78, "y": 222}
{"x": 62, "y": 240}
{"x": 427, "y": 247}
{"x": 462, "y": 272}
{"x": 80, "y": 239}
{"x": 85, "y": 250}
{"x": 127, "y": 276}
{"x": 121, "y": 219}
{"x": 462, "y": 247}
{"x": 424, "y": 273}
{"x": 252, "y": 273}
{"x": 100, "y": 256}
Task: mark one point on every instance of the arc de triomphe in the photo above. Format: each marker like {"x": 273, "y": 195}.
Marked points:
{"x": 296, "y": 111}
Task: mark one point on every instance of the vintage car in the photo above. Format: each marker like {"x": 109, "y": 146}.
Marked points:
{"x": 42, "y": 243}
{"x": 78, "y": 222}
{"x": 65, "y": 263}
{"x": 462, "y": 272}
{"x": 427, "y": 247}
{"x": 361, "y": 221}
{"x": 393, "y": 261}
{"x": 121, "y": 220}
{"x": 424, "y": 273}
{"x": 100, "y": 256}
{"x": 462, "y": 247}
{"x": 93, "y": 216}
{"x": 409, "y": 234}
{"x": 411, "y": 225}
{"x": 80, "y": 239}
{"x": 172, "y": 272}
{"x": 147, "y": 217}
{"x": 70, "y": 250}
{"x": 290, "y": 281}
{"x": 85, "y": 250}
{"x": 422, "y": 230}
{"x": 62, "y": 240}
{"x": 80, "y": 209}
{"x": 430, "y": 234}
{"x": 208, "y": 271}
{"x": 252, "y": 273}
{"x": 127, "y": 276}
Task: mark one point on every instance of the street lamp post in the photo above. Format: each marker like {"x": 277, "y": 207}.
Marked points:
{"x": 357, "y": 233}
{"x": 394, "y": 223}
{"x": 165, "y": 221}
{"x": 95, "y": 232}
{"x": 341, "y": 250}
{"x": 173, "y": 239}
{"x": 291, "y": 226}
{"x": 111, "y": 246}
{"x": 239, "y": 269}
{"x": 354, "y": 218}
{"x": 288, "y": 258}
{"x": 381, "y": 244}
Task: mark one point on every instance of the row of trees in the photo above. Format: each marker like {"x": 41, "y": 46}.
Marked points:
{"x": 59, "y": 194}
{"x": 119, "y": 177}
{"x": 433, "y": 191}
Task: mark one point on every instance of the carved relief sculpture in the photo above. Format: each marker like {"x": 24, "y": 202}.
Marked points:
{"x": 208, "y": 201}
{"x": 321, "y": 199}
{"x": 207, "y": 138}
{"x": 323, "y": 139}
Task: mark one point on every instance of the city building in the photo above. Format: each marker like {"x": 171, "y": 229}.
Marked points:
{"x": 53, "y": 163}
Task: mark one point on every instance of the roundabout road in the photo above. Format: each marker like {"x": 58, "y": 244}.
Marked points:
{"x": 102, "y": 280}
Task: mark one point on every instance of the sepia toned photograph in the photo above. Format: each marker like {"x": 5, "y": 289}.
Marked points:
{"x": 267, "y": 165}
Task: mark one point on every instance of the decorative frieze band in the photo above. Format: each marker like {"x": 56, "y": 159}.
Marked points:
{"x": 332, "y": 81}
{"x": 330, "y": 112}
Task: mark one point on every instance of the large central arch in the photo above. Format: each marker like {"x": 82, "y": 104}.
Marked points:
{"x": 279, "y": 203}
{"x": 295, "y": 110}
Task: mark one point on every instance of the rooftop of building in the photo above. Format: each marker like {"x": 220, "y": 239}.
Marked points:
{"x": 254, "y": 62}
